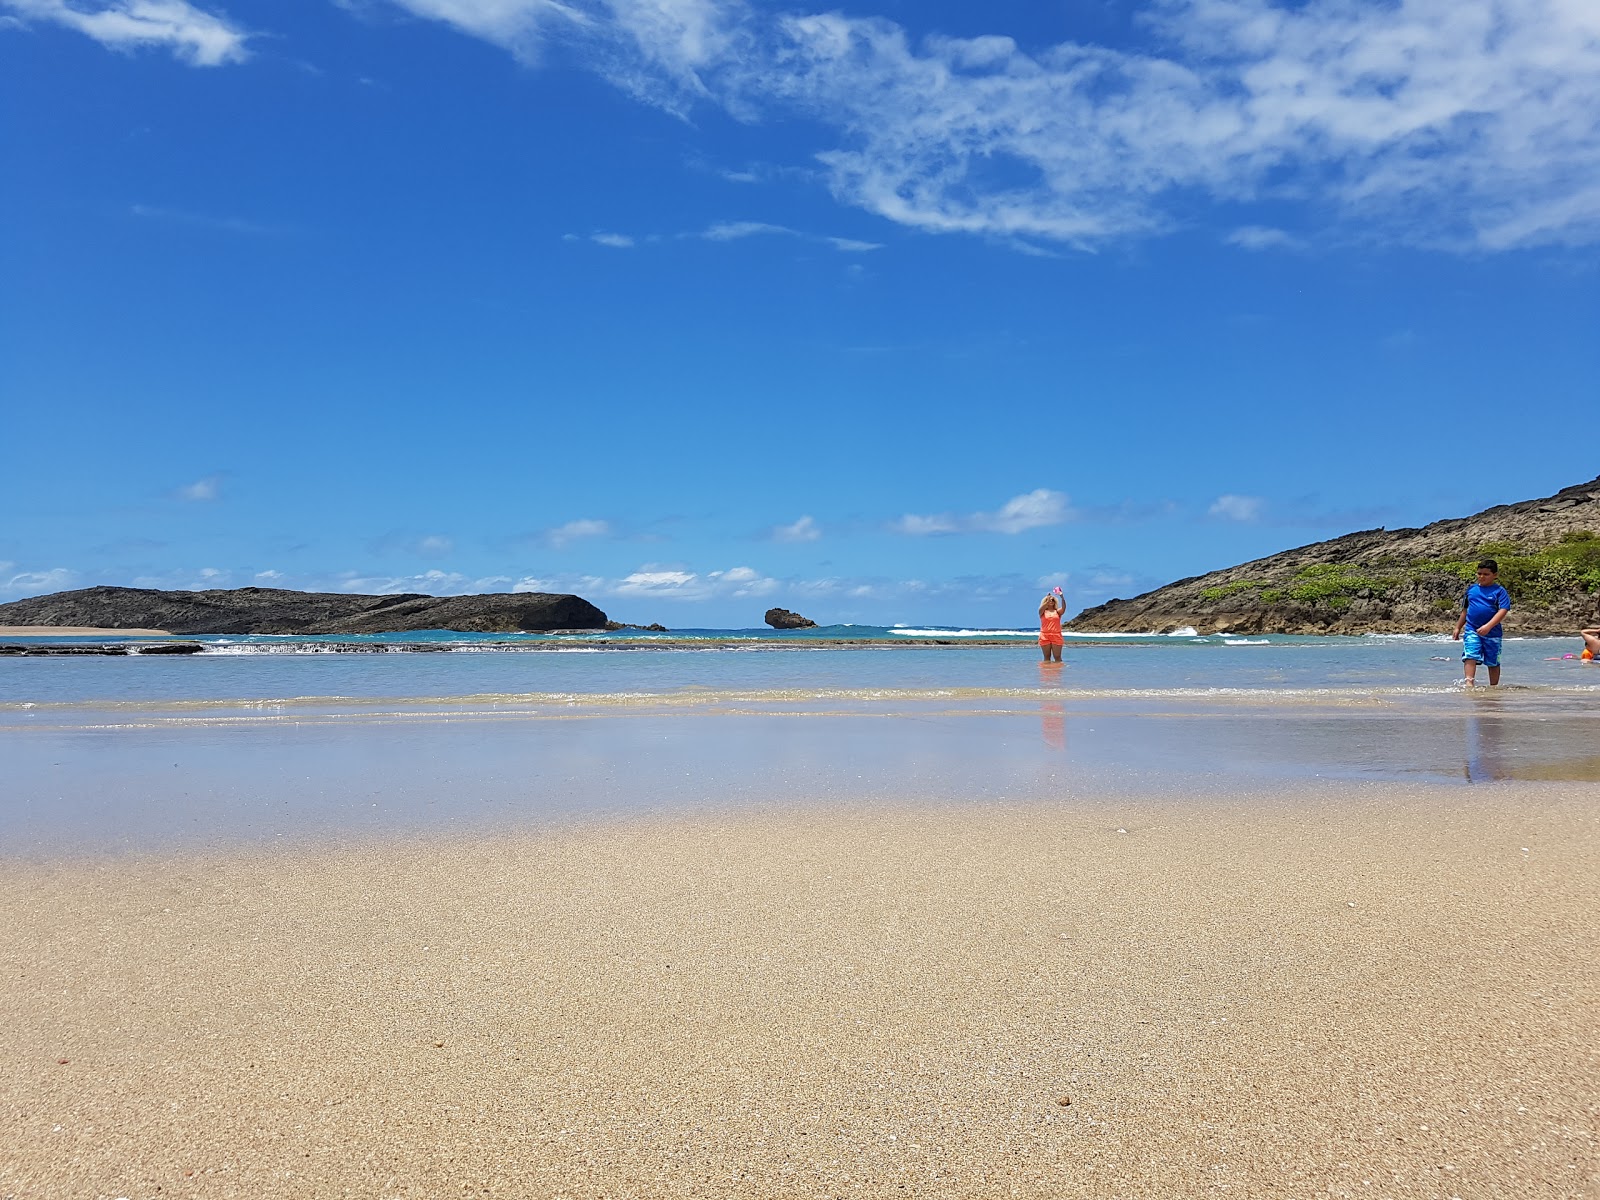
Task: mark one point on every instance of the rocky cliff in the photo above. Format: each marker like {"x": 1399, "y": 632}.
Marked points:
{"x": 275, "y": 610}
{"x": 1393, "y": 580}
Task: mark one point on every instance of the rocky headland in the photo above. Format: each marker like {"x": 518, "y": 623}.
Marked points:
{"x": 1392, "y": 580}
{"x": 277, "y": 610}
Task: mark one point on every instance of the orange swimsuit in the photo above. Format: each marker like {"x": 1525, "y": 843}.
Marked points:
{"x": 1050, "y": 628}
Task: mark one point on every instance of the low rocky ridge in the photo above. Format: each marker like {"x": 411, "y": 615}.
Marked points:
{"x": 1392, "y": 580}
{"x": 275, "y": 610}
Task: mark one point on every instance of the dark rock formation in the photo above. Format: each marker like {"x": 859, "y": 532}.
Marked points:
{"x": 1392, "y": 580}
{"x": 782, "y": 618}
{"x": 274, "y": 610}
{"x": 25, "y": 650}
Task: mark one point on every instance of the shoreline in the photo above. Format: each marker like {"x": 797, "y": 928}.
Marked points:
{"x": 1383, "y": 987}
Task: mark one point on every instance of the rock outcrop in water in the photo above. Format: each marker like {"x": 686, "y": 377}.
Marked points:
{"x": 1392, "y": 580}
{"x": 276, "y": 610}
{"x": 782, "y": 618}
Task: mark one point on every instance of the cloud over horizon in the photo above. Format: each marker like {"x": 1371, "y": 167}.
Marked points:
{"x": 1031, "y": 510}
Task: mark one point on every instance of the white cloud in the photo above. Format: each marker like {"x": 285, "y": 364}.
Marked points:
{"x": 1031, "y": 510}
{"x": 852, "y": 245}
{"x": 728, "y": 231}
{"x": 803, "y": 530}
{"x": 732, "y": 231}
{"x": 17, "y": 584}
{"x": 201, "y": 491}
{"x": 917, "y": 525}
{"x": 435, "y": 543}
{"x": 192, "y": 34}
{"x": 671, "y": 583}
{"x": 1262, "y": 237}
{"x": 563, "y": 536}
{"x": 654, "y": 49}
{"x": 431, "y": 583}
{"x": 1457, "y": 123}
{"x": 1237, "y": 508}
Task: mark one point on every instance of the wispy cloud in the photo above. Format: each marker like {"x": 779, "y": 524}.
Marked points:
{"x": 803, "y": 530}
{"x": 1031, "y": 510}
{"x": 1263, "y": 237}
{"x": 201, "y": 491}
{"x": 191, "y": 34}
{"x": 563, "y": 536}
{"x": 732, "y": 231}
{"x": 175, "y": 216}
{"x": 1454, "y": 123}
{"x": 729, "y": 231}
{"x": 1231, "y": 507}
{"x": 15, "y": 584}
{"x": 661, "y": 582}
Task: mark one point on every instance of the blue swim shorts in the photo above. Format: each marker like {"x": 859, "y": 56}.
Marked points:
{"x": 1477, "y": 648}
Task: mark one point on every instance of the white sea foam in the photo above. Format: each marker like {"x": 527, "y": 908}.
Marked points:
{"x": 1246, "y": 642}
{"x": 1185, "y": 631}
{"x": 969, "y": 633}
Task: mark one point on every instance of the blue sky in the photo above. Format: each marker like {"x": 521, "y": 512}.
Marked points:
{"x": 889, "y": 312}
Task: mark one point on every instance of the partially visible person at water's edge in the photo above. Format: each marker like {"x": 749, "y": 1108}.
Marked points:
{"x": 1050, "y": 610}
{"x": 1591, "y": 644}
{"x": 1480, "y": 626}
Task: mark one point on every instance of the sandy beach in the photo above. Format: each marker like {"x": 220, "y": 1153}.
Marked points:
{"x": 77, "y": 631}
{"x": 1368, "y": 990}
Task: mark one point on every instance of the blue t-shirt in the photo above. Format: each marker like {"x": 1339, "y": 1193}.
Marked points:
{"x": 1482, "y": 604}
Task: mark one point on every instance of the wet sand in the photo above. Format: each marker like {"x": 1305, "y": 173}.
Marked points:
{"x": 1362, "y": 990}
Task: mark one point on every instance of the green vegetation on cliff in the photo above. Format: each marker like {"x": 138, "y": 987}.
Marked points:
{"x": 1535, "y": 578}
{"x": 1393, "y": 580}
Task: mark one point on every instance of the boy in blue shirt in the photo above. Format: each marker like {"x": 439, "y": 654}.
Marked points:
{"x": 1484, "y": 609}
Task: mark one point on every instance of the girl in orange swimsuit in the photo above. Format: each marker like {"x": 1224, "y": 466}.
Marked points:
{"x": 1050, "y": 610}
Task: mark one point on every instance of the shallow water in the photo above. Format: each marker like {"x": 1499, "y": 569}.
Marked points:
{"x": 282, "y": 669}
{"x": 149, "y": 753}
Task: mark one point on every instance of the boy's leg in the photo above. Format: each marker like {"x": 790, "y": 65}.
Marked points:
{"x": 1470, "y": 667}
{"x": 1494, "y": 676}
{"x": 1491, "y": 659}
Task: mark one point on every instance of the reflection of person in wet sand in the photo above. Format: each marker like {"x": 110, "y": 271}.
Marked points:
{"x": 1050, "y": 610}
{"x": 1591, "y": 645}
{"x": 1053, "y": 724}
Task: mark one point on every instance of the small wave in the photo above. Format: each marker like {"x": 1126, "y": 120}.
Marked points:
{"x": 1188, "y": 631}
{"x": 1246, "y": 642}
{"x": 902, "y": 631}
